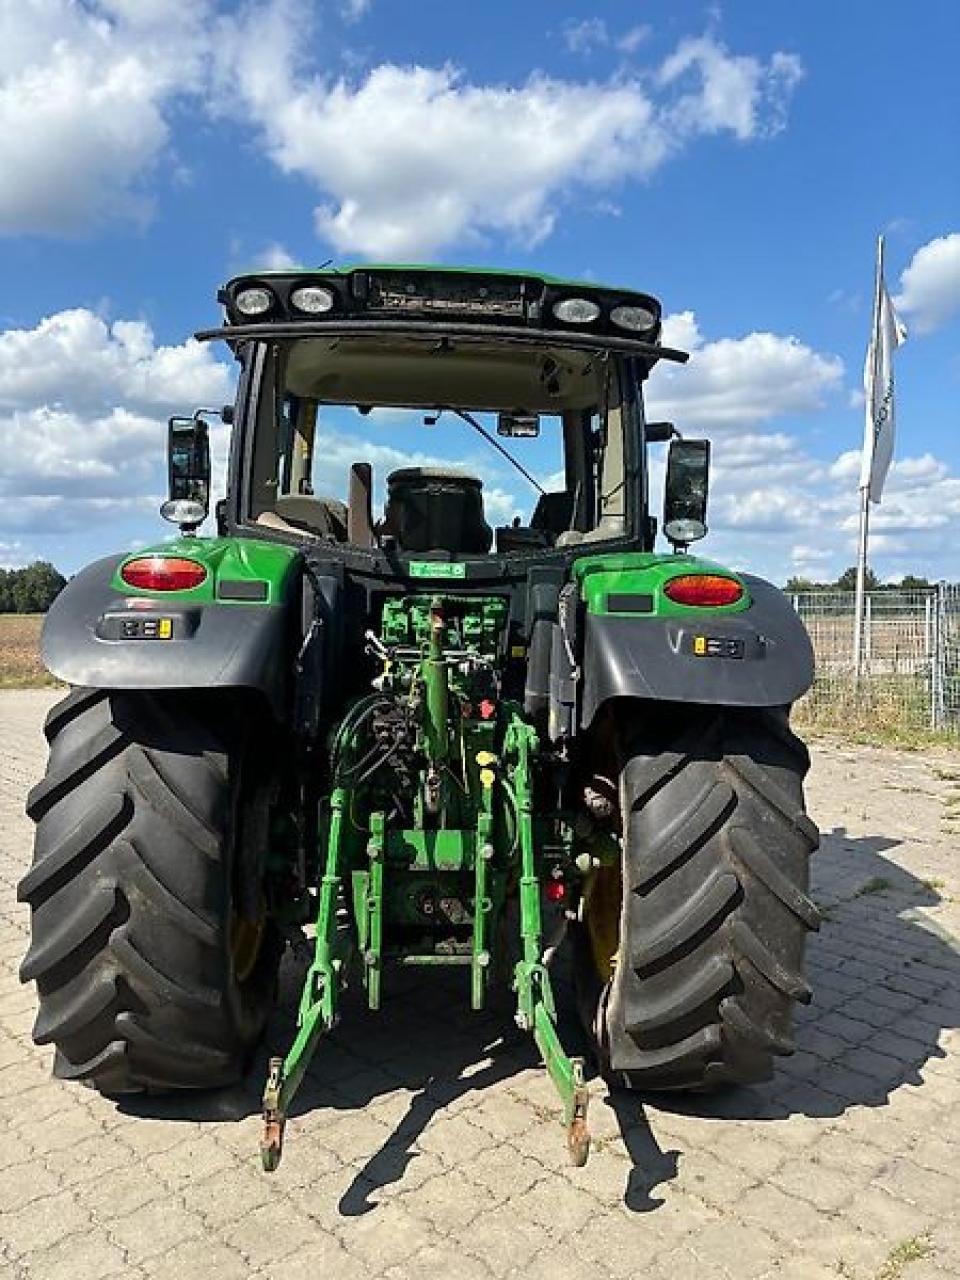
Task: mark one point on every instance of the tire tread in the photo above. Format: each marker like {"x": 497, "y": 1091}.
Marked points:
{"x": 716, "y": 908}
{"x": 130, "y": 900}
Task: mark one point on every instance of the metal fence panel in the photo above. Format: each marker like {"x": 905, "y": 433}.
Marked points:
{"x": 910, "y": 671}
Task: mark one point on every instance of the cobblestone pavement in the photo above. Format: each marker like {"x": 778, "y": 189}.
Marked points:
{"x": 425, "y": 1143}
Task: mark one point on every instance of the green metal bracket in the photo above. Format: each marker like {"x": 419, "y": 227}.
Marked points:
{"x": 449, "y": 849}
{"x": 373, "y": 932}
{"x": 536, "y": 1008}
{"x": 482, "y": 903}
{"x": 318, "y": 1000}
{"x": 433, "y": 672}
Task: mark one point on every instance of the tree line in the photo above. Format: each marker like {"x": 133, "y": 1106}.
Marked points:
{"x": 847, "y": 581}
{"x": 34, "y": 588}
{"x": 30, "y": 590}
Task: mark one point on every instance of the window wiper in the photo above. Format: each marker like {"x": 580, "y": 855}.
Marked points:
{"x": 472, "y": 422}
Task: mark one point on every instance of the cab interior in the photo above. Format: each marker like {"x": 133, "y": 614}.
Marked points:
{"x": 552, "y": 417}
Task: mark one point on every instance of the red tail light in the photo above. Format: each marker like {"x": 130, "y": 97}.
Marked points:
{"x": 163, "y": 573}
{"x": 555, "y": 890}
{"x": 704, "y": 590}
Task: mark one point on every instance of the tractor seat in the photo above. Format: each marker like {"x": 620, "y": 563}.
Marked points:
{"x": 323, "y": 517}
{"x": 436, "y": 509}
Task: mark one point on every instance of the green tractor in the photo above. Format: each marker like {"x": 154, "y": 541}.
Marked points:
{"x": 415, "y": 733}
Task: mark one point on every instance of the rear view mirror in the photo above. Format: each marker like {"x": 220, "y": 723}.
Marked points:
{"x": 519, "y": 426}
{"x": 188, "y": 461}
{"x": 685, "y": 499}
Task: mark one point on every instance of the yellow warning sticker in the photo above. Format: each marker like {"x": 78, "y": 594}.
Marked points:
{"x": 700, "y": 646}
{"x": 518, "y": 651}
{"x": 165, "y": 630}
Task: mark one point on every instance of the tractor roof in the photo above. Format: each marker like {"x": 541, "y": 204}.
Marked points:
{"x": 422, "y": 298}
{"x": 434, "y": 268}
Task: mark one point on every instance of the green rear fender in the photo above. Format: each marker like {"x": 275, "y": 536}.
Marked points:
{"x": 235, "y": 629}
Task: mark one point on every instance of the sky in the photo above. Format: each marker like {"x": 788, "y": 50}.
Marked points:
{"x": 738, "y": 161}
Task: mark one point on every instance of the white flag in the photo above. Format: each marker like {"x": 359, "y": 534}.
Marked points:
{"x": 880, "y": 424}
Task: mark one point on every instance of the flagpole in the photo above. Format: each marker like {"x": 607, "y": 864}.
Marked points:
{"x": 865, "y": 489}
{"x": 861, "y": 583}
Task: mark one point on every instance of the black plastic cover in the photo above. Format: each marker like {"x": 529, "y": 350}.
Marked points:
{"x": 759, "y": 658}
{"x": 85, "y": 642}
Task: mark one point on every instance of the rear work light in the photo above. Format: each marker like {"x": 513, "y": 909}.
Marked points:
{"x": 576, "y": 310}
{"x": 312, "y": 300}
{"x": 163, "y": 573}
{"x": 704, "y": 590}
{"x": 254, "y": 301}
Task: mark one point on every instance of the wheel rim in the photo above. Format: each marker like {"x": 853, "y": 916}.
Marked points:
{"x": 602, "y": 919}
{"x": 246, "y": 941}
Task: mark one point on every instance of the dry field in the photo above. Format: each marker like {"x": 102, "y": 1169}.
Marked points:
{"x": 20, "y": 651}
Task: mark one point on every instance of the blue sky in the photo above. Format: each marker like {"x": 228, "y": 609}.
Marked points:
{"x": 738, "y": 161}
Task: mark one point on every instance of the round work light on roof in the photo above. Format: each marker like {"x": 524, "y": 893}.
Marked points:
{"x": 636, "y": 318}
{"x": 254, "y": 301}
{"x": 576, "y": 310}
{"x": 311, "y": 299}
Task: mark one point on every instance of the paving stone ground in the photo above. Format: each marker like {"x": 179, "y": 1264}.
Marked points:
{"x": 425, "y": 1141}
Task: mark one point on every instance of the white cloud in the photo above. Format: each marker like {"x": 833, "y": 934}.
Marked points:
{"x": 631, "y": 40}
{"x": 591, "y": 34}
{"x": 83, "y": 92}
{"x": 411, "y": 156}
{"x": 846, "y": 467}
{"x": 849, "y": 301}
{"x": 804, "y": 557}
{"x": 406, "y": 158}
{"x": 736, "y": 93}
{"x": 802, "y": 514}
{"x": 13, "y": 554}
{"x": 275, "y": 258}
{"x": 76, "y": 362}
{"x": 741, "y": 382}
{"x": 83, "y": 408}
{"x": 930, "y": 286}
{"x": 583, "y": 37}
{"x": 776, "y": 507}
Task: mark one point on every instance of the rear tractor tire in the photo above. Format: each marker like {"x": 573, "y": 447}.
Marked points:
{"x": 148, "y": 979}
{"x": 688, "y": 979}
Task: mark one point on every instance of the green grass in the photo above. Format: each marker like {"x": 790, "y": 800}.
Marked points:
{"x": 902, "y": 1254}
{"x": 879, "y": 884}
{"x": 884, "y": 711}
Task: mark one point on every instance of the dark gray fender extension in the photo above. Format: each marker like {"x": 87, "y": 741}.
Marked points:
{"x": 215, "y": 646}
{"x": 654, "y": 658}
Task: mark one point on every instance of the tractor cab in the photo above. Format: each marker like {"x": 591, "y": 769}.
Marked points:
{"x": 424, "y": 412}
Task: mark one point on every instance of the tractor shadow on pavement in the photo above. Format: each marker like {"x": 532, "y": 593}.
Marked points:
{"x": 425, "y": 1055}
{"x": 886, "y": 984}
{"x": 379, "y": 1080}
